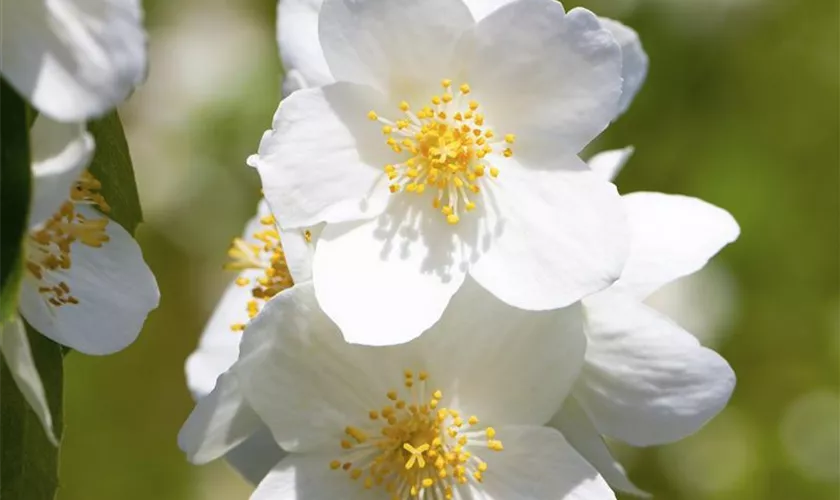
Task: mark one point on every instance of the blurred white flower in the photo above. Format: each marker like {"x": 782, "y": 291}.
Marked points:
{"x": 423, "y": 180}
{"x": 85, "y": 284}
{"x": 458, "y": 411}
{"x": 73, "y": 60}
{"x": 646, "y": 381}
{"x": 269, "y": 261}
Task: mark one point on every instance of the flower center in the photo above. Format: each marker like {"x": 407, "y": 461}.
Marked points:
{"x": 266, "y": 255}
{"x": 446, "y": 146}
{"x": 414, "y": 445}
{"x": 49, "y": 246}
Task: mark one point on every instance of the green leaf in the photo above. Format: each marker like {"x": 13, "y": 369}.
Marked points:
{"x": 112, "y": 166}
{"x": 28, "y": 461}
{"x": 15, "y": 194}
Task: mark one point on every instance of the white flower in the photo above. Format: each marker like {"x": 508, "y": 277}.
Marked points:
{"x": 269, "y": 261}
{"x": 449, "y": 147}
{"x": 73, "y": 60}
{"x": 456, "y": 413}
{"x": 84, "y": 284}
{"x": 646, "y": 381}
{"x": 305, "y": 65}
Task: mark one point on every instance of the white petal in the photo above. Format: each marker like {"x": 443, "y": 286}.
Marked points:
{"x": 309, "y": 477}
{"x": 323, "y": 159}
{"x": 303, "y": 380}
{"x": 59, "y": 153}
{"x": 401, "y": 47}
{"x": 218, "y": 423}
{"x": 299, "y": 250}
{"x": 483, "y": 8}
{"x": 387, "y": 280}
{"x": 300, "y": 49}
{"x": 218, "y": 347}
{"x": 607, "y": 164}
{"x": 551, "y": 78}
{"x": 557, "y": 235}
{"x": 255, "y": 457}
{"x": 502, "y": 364}
{"x": 634, "y": 61}
{"x": 672, "y": 236}
{"x": 537, "y": 464}
{"x": 647, "y": 381}
{"x": 115, "y": 289}
{"x": 17, "y": 355}
{"x": 298, "y": 244}
{"x": 581, "y": 433}
{"x": 73, "y": 60}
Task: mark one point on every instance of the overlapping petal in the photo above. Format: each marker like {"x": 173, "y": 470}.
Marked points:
{"x": 508, "y": 365}
{"x": 115, "y": 289}
{"x": 300, "y": 48}
{"x": 608, "y": 164}
{"x": 538, "y": 464}
{"x": 554, "y": 80}
{"x": 323, "y": 161}
{"x": 555, "y": 236}
{"x": 487, "y": 358}
{"x": 59, "y": 153}
{"x": 400, "y": 47}
{"x": 673, "y": 236}
{"x": 305, "y": 476}
{"x": 218, "y": 347}
{"x": 219, "y": 422}
{"x": 73, "y": 60}
{"x": 17, "y": 356}
{"x": 581, "y": 433}
{"x": 387, "y": 280}
{"x": 634, "y": 61}
{"x": 647, "y": 381}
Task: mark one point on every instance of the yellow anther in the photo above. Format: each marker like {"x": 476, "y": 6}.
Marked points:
{"x": 495, "y": 445}
{"x": 472, "y": 420}
{"x": 510, "y": 138}
{"x": 373, "y": 414}
{"x": 392, "y": 395}
{"x": 508, "y": 153}
{"x": 491, "y": 432}
{"x": 423, "y": 375}
{"x": 372, "y": 115}
{"x": 335, "y": 464}
{"x": 494, "y": 172}
{"x": 446, "y": 150}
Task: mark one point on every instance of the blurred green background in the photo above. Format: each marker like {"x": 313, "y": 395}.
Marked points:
{"x": 740, "y": 108}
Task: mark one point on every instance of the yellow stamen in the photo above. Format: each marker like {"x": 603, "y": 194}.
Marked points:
{"x": 446, "y": 150}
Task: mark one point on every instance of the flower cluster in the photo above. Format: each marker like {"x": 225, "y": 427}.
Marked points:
{"x": 85, "y": 284}
{"x": 438, "y": 298}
